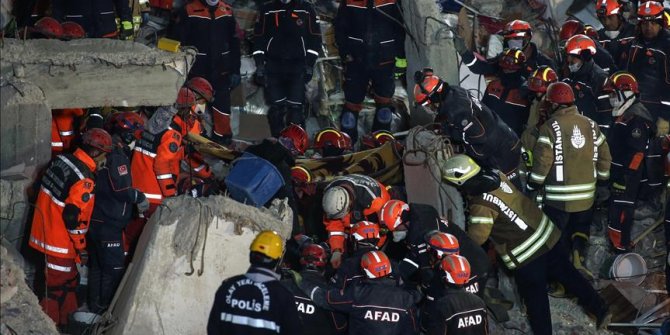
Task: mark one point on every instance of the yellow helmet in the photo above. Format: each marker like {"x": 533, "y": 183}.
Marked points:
{"x": 268, "y": 243}
{"x": 458, "y": 169}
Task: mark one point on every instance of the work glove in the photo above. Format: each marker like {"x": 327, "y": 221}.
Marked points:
{"x": 602, "y": 194}
{"x": 143, "y": 205}
{"x": 309, "y": 73}
{"x": 459, "y": 44}
{"x": 259, "y": 76}
{"x": 235, "y": 80}
{"x": 295, "y": 276}
{"x": 400, "y": 67}
{"x": 336, "y": 259}
{"x": 82, "y": 257}
{"x": 127, "y": 31}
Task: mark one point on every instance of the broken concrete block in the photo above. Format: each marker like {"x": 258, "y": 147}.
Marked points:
{"x": 96, "y": 72}
{"x": 14, "y": 210}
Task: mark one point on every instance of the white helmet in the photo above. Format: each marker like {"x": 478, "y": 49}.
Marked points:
{"x": 336, "y": 202}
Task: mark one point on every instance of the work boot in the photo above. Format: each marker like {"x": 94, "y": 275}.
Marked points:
{"x": 579, "y": 241}
{"x": 557, "y": 290}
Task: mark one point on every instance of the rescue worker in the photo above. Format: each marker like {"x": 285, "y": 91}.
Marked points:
{"x": 256, "y": 303}
{"x": 287, "y": 40}
{"x": 517, "y": 34}
{"x": 370, "y": 37}
{"x": 459, "y": 311}
{"x": 538, "y": 82}
{"x": 204, "y": 91}
{"x": 615, "y": 27}
{"x": 315, "y": 320}
{"x": 374, "y": 306}
{"x": 64, "y": 126}
{"x": 72, "y": 31}
{"x": 346, "y": 200}
{"x": 484, "y": 135}
{"x": 64, "y": 205}
{"x": 587, "y": 79}
{"x": 417, "y": 224}
{"x": 602, "y": 56}
{"x": 115, "y": 199}
{"x": 365, "y": 236}
{"x": 632, "y": 132}
{"x": 570, "y": 160}
{"x": 645, "y": 57}
{"x": 508, "y": 93}
{"x": 526, "y": 240}
{"x": 330, "y": 142}
{"x": 210, "y": 27}
{"x": 98, "y": 17}
{"x": 376, "y": 139}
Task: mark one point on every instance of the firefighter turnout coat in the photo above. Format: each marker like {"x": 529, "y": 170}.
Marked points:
{"x": 569, "y": 156}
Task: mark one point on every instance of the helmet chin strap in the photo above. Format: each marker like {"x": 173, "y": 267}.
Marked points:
{"x": 625, "y": 99}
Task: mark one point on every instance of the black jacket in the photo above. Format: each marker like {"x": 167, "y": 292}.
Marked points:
{"x": 487, "y": 139}
{"x": 509, "y": 97}
{"x": 370, "y": 31}
{"x": 350, "y": 273}
{"x": 211, "y": 30}
{"x": 97, "y": 17}
{"x": 612, "y": 44}
{"x": 315, "y": 320}
{"x": 255, "y": 303}
{"x": 458, "y": 312}
{"x": 115, "y": 195}
{"x": 287, "y": 33}
{"x": 587, "y": 84}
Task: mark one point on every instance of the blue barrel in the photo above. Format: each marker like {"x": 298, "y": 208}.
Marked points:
{"x": 253, "y": 180}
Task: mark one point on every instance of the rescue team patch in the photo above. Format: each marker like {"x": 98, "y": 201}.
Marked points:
{"x": 123, "y": 170}
{"x": 173, "y": 147}
{"x": 636, "y": 133}
{"x": 577, "y": 139}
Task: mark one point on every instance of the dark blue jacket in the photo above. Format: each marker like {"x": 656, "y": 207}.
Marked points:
{"x": 97, "y": 17}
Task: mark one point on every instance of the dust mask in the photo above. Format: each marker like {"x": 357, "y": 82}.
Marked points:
{"x": 620, "y": 101}
{"x": 515, "y": 44}
{"x": 612, "y": 33}
{"x": 399, "y": 235}
{"x": 212, "y": 2}
{"x": 575, "y": 67}
{"x": 199, "y": 109}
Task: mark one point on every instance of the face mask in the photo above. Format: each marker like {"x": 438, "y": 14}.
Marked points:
{"x": 515, "y": 44}
{"x": 615, "y": 102}
{"x": 212, "y": 2}
{"x": 399, "y": 235}
{"x": 200, "y": 109}
{"x": 575, "y": 67}
{"x": 612, "y": 33}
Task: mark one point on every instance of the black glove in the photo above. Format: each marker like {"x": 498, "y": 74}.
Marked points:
{"x": 235, "y": 80}
{"x": 259, "y": 76}
{"x": 309, "y": 73}
{"x": 459, "y": 44}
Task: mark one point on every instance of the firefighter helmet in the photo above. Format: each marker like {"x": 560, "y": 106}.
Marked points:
{"x": 542, "y": 77}
{"x": 376, "y": 264}
{"x": 516, "y": 29}
{"x": 427, "y": 85}
{"x": 391, "y": 214}
{"x": 579, "y": 44}
{"x": 365, "y": 230}
{"x": 298, "y": 137}
{"x": 621, "y": 81}
{"x": 202, "y": 87}
{"x": 442, "y": 244}
{"x": 313, "y": 256}
{"x": 336, "y": 202}
{"x": 512, "y": 59}
{"x": 186, "y": 98}
{"x": 560, "y": 93}
{"x": 126, "y": 122}
{"x": 377, "y": 139}
{"x": 650, "y": 11}
{"x": 72, "y": 30}
{"x": 269, "y": 244}
{"x": 459, "y": 168}
{"x": 98, "y": 138}
{"x": 608, "y": 7}
{"x": 332, "y": 137}
{"x": 591, "y": 32}
{"x": 570, "y": 28}
{"x": 456, "y": 269}
{"x": 301, "y": 174}
{"x": 49, "y": 27}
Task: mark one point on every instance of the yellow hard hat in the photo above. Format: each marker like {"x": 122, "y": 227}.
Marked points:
{"x": 459, "y": 168}
{"x": 268, "y": 243}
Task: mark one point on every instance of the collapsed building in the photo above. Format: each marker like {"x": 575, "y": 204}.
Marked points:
{"x": 191, "y": 244}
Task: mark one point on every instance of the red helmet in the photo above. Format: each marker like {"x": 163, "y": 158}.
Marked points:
{"x": 570, "y": 28}
{"x": 313, "y": 256}
{"x": 130, "y": 122}
{"x": 541, "y": 78}
{"x": 512, "y": 59}
{"x": 202, "y": 87}
{"x": 456, "y": 269}
{"x": 49, "y": 27}
{"x": 608, "y": 7}
{"x": 443, "y": 244}
{"x": 332, "y": 137}
{"x": 560, "y": 93}
{"x": 377, "y": 139}
{"x": 298, "y": 136}
{"x": 516, "y": 29}
{"x": 376, "y": 264}
{"x": 365, "y": 230}
{"x": 300, "y": 174}
{"x": 72, "y": 30}
{"x": 98, "y": 138}
{"x": 621, "y": 81}
{"x": 186, "y": 98}
{"x": 591, "y": 32}
{"x": 391, "y": 214}
{"x": 580, "y": 43}
{"x": 650, "y": 11}
{"x": 427, "y": 84}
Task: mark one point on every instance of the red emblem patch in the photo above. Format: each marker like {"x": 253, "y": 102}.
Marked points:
{"x": 123, "y": 170}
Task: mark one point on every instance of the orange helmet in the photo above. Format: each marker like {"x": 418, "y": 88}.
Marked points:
{"x": 126, "y": 122}
{"x": 512, "y": 59}
{"x": 560, "y": 93}
{"x": 579, "y": 44}
{"x": 650, "y": 11}
{"x": 365, "y": 230}
{"x": 376, "y": 264}
{"x": 298, "y": 137}
{"x": 313, "y": 256}
{"x": 427, "y": 84}
{"x": 332, "y": 137}
{"x": 541, "y": 78}
{"x": 49, "y": 27}
{"x": 202, "y": 87}
{"x": 98, "y": 138}
{"x": 185, "y": 98}
{"x": 456, "y": 269}
{"x": 570, "y": 28}
{"x": 377, "y": 139}
{"x": 608, "y": 7}
{"x": 72, "y": 30}
{"x": 442, "y": 244}
{"x": 621, "y": 81}
{"x": 391, "y": 214}
{"x": 516, "y": 29}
